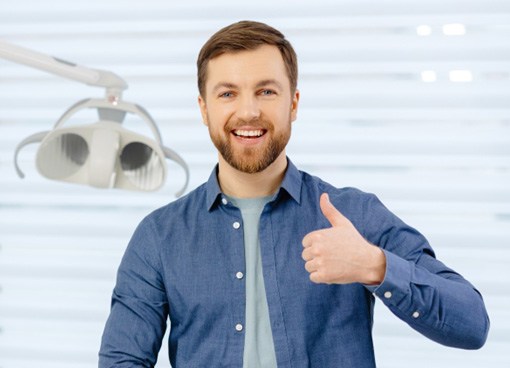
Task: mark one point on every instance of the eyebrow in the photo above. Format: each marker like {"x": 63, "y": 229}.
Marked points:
{"x": 224, "y": 85}
{"x": 262, "y": 83}
{"x": 266, "y": 82}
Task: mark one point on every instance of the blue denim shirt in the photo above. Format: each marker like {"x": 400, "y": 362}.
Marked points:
{"x": 184, "y": 259}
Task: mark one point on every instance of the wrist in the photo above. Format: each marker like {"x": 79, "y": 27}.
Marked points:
{"x": 377, "y": 267}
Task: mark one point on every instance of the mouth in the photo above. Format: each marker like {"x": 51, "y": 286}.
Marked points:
{"x": 249, "y": 134}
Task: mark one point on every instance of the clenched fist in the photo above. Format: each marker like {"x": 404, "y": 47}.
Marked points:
{"x": 339, "y": 254}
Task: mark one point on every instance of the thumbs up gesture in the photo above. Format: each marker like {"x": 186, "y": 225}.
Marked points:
{"x": 339, "y": 254}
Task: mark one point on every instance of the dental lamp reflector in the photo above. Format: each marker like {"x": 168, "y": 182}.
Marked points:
{"x": 103, "y": 154}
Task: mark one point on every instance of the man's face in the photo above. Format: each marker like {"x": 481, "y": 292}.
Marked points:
{"x": 248, "y": 107}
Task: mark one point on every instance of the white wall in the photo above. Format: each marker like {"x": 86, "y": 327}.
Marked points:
{"x": 437, "y": 153}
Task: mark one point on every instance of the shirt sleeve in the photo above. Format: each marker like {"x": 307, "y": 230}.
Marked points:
{"x": 419, "y": 289}
{"x": 135, "y": 328}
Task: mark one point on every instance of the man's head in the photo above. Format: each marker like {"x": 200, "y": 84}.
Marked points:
{"x": 242, "y": 36}
{"x": 248, "y": 98}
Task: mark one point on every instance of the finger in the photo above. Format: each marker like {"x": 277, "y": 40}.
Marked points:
{"x": 307, "y": 254}
{"x": 334, "y": 216}
{"x": 316, "y": 278}
{"x": 311, "y": 266}
{"x": 309, "y": 239}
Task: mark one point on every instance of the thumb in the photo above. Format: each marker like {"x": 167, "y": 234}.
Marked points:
{"x": 334, "y": 216}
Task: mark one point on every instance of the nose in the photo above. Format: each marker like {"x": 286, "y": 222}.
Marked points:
{"x": 248, "y": 108}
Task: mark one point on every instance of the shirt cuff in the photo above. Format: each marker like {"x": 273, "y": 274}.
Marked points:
{"x": 397, "y": 279}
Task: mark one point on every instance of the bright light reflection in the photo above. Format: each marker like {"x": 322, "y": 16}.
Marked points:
{"x": 428, "y": 76}
{"x": 454, "y": 29}
{"x": 461, "y": 76}
{"x": 423, "y": 30}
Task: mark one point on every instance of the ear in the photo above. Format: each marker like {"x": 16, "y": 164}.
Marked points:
{"x": 294, "y": 106}
{"x": 203, "y": 109}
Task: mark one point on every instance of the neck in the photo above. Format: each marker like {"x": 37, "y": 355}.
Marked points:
{"x": 239, "y": 184}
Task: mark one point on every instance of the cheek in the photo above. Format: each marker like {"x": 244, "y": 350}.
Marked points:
{"x": 218, "y": 115}
{"x": 283, "y": 116}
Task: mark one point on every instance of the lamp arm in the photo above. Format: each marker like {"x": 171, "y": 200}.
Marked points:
{"x": 93, "y": 77}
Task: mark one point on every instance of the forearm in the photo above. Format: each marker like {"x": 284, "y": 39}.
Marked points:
{"x": 134, "y": 331}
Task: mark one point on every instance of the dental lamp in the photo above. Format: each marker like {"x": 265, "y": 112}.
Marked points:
{"x": 103, "y": 154}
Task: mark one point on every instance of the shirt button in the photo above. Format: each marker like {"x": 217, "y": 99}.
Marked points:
{"x": 239, "y": 327}
{"x": 387, "y": 294}
{"x": 236, "y": 225}
{"x": 224, "y": 201}
{"x": 416, "y": 314}
{"x": 239, "y": 275}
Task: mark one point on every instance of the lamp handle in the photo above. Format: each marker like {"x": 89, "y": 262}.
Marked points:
{"x": 174, "y": 156}
{"x": 119, "y": 105}
{"x": 34, "y": 138}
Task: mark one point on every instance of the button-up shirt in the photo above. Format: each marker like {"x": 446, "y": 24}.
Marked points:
{"x": 185, "y": 261}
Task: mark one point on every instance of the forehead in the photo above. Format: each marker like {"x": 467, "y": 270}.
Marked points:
{"x": 247, "y": 67}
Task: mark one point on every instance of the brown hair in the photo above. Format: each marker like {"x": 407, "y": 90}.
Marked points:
{"x": 246, "y": 35}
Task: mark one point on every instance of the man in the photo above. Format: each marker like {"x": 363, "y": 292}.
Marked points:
{"x": 264, "y": 265}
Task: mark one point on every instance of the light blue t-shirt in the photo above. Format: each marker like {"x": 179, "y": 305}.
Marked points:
{"x": 258, "y": 344}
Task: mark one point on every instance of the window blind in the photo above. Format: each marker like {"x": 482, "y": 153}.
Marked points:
{"x": 405, "y": 99}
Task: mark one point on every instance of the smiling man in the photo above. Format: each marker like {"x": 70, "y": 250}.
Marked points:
{"x": 248, "y": 105}
{"x": 265, "y": 265}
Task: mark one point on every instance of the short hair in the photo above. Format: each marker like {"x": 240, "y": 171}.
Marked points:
{"x": 246, "y": 35}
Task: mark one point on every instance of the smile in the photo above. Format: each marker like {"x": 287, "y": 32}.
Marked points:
{"x": 249, "y": 133}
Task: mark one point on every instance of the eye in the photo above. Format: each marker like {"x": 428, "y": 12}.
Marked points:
{"x": 267, "y": 92}
{"x": 227, "y": 94}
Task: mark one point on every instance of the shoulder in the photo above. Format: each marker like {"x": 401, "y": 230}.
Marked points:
{"x": 315, "y": 186}
{"x": 358, "y": 206}
{"x": 178, "y": 211}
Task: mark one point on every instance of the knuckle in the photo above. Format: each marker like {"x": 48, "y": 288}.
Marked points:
{"x": 318, "y": 236}
{"x": 314, "y": 237}
{"x": 319, "y": 262}
{"x": 319, "y": 250}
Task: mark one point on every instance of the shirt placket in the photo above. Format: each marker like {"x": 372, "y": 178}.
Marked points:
{"x": 234, "y": 226}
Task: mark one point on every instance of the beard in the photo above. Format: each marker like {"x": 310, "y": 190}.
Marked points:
{"x": 251, "y": 160}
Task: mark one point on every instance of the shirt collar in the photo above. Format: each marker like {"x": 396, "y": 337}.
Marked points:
{"x": 291, "y": 184}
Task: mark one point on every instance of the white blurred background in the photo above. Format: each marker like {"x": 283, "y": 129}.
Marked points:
{"x": 408, "y": 99}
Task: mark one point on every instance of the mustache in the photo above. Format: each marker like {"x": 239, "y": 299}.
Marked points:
{"x": 255, "y": 123}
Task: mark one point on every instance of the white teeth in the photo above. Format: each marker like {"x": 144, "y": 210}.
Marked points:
{"x": 248, "y": 133}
